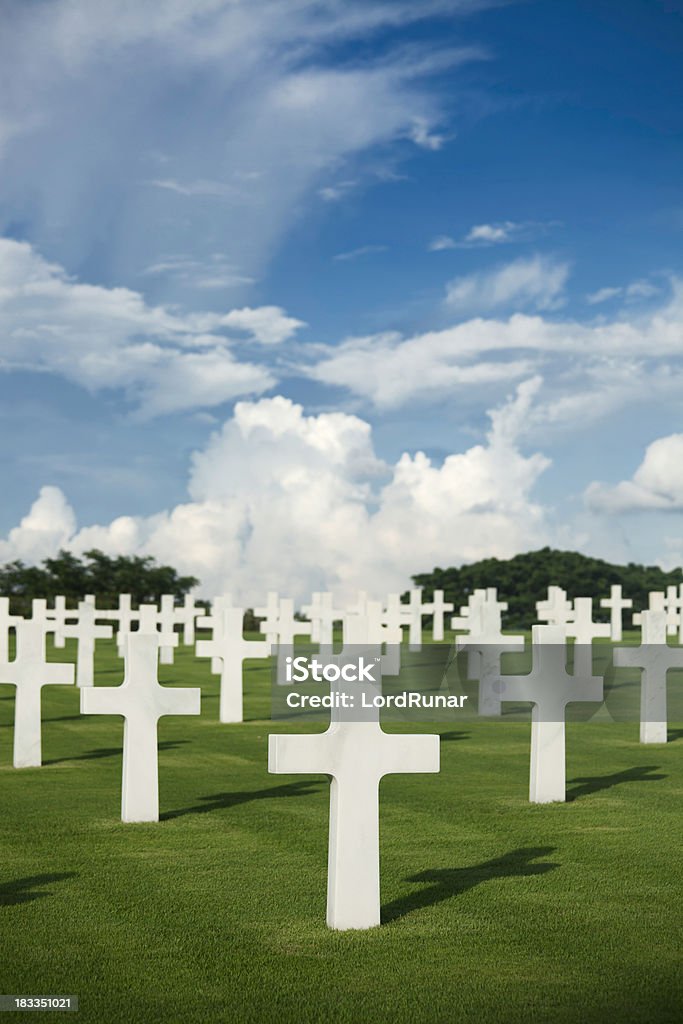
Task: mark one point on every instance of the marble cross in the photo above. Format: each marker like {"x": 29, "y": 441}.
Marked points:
{"x": 142, "y": 701}
{"x": 549, "y": 688}
{"x": 7, "y": 621}
{"x": 29, "y": 672}
{"x": 674, "y": 608}
{"x": 187, "y": 615}
{"x": 487, "y": 646}
{"x": 654, "y": 657}
{"x": 379, "y": 632}
{"x": 556, "y": 610}
{"x": 436, "y": 608}
{"x": 149, "y": 622}
{"x": 59, "y": 615}
{"x": 285, "y": 627}
{"x": 583, "y": 629}
{"x": 656, "y": 602}
{"x": 396, "y": 614}
{"x": 323, "y": 615}
{"x": 214, "y": 622}
{"x": 168, "y": 617}
{"x": 124, "y": 617}
{"x": 86, "y": 631}
{"x": 229, "y": 645}
{"x": 616, "y": 604}
{"x": 269, "y": 612}
{"x": 357, "y": 755}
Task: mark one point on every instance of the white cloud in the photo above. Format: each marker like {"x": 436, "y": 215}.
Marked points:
{"x": 363, "y": 250}
{"x": 278, "y": 499}
{"x": 422, "y": 136}
{"x": 594, "y": 368}
{"x": 202, "y": 124}
{"x": 656, "y": 484}
{"x": 213, "y": 273}
{"x": 111, "y": 338}
{"x": 537, "y": 281}
{"x": 641, "y": 289}
{"x": 267, "y": 324}
{"x": 442, "y": 242}
{"x": 481, "y": 235}
{"x": 49, "y": 525}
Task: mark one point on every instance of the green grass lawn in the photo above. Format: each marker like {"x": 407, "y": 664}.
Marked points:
{"x": 493, "y": 909}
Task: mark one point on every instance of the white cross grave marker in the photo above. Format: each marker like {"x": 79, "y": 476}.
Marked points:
{"x": 583, "y": 629}
{"x": 6, "y": 623}
{"x": 168, "y": 616}
{"x": 58, "y": 615}
{"x": 549, "y": 688}
{"x": 232, "y": 649}
{"x": 436, "y": 608}
{"x": 655, "y": 658}
{"x": 357, "y": 755}
{"x": 616, "y": 604}
{"x": 556, "y": 610}
{"x": 214, "y": 622}
{"x": 186, "y": 616}
{"x": 124, "y": 617}
{"x": 86, "y": 631}
{"x": 29, "y": 672}
{"x": 142, "y": 701}
{"x": 269, "y": 612}
{"x": 323, "y": 615}
{"x": 488, "y": 646}
{"x": 285, "y": 627}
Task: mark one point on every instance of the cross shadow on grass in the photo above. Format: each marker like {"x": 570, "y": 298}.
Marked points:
{"x": 223, "y": 801}
{"x": 449, "y": 736}
{"x": 93, "y": 755}
{"x": 445, "y": 883}
{"x": 25, "y": 890}
{"x": 674, "y": 734}
{"x": 596, "y": 783}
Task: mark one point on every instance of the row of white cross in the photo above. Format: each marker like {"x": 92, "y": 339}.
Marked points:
{"x": 355, "y": 754}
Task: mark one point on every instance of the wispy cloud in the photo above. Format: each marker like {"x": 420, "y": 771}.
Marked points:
{"x": 363, "y": 250}
{"x": 642, "y": 289}
{"x": 273, "y": 118}
{"x": 482, "y": 235}
{"x": 537, "y": 282}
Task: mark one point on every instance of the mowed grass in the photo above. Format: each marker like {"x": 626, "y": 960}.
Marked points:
{"x": 493, "y": 909}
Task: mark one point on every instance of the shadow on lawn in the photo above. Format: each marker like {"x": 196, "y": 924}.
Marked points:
{"x": 593, "y": 784}
{"x": 222, "y": 801}
{"x": 448, "y": 736}
{"x": 449, "y": 882}
{"x": 92, "y": 755}
{"x": 674, "y": 734}
{"x": 24, "y": 890}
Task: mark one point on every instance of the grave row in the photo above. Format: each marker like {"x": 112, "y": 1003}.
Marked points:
{"x": 356, "y": 754}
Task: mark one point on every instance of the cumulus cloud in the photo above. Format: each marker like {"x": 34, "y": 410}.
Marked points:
{"x": 49, "y": 525}
{"x": 537, "y": 282}
{"x": 657, "y": 484}
{"x": 279, "y": 499}
{"x": 100, "y": 337}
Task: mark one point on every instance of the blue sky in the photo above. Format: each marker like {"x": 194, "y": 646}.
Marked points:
{"x": 385, "y": 229}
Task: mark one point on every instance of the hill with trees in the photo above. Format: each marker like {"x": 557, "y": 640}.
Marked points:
{"x": 524, "y": 580}
{"x": 94, "y": 573}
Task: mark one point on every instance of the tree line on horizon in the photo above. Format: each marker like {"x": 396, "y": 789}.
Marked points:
{"x": 524, "y": 580}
